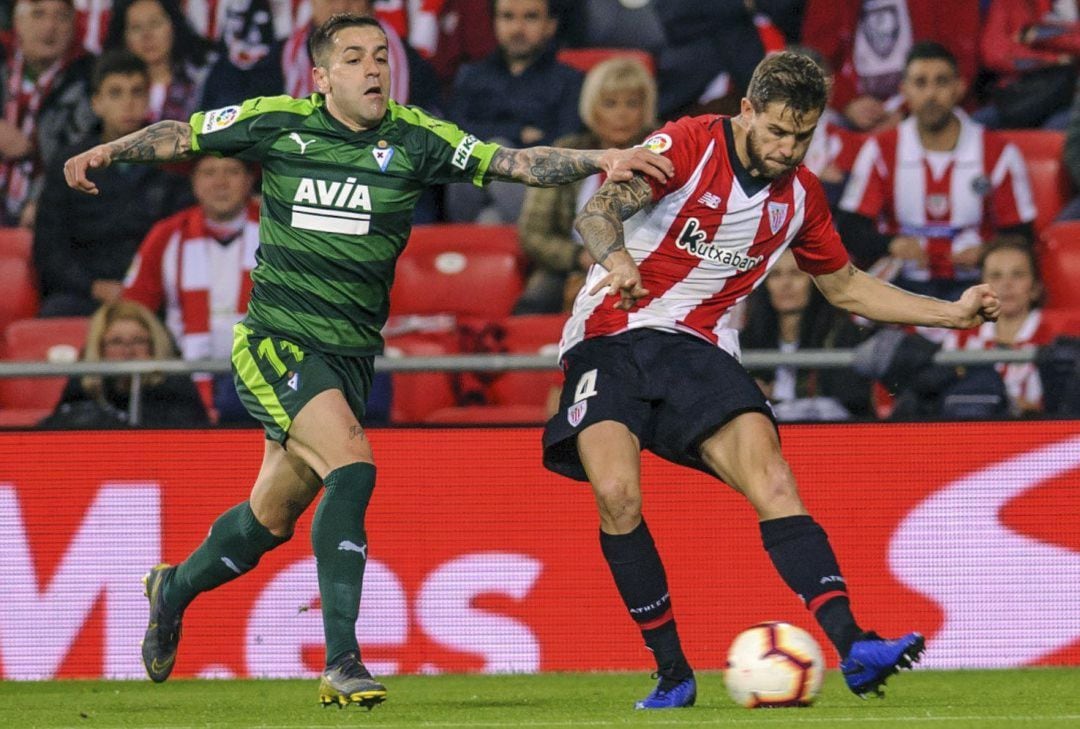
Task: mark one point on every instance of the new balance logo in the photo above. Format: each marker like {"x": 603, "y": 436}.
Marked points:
{"x": 348, "y": 546}
{"x": 710, "y": 200}
{"x": 303, "y": 145}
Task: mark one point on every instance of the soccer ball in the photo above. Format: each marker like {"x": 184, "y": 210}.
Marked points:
{"x": 774, "y": 664}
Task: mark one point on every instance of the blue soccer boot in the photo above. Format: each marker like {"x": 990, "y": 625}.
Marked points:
{"x": 670, "y": 694}
{"x": 873, "y": 659}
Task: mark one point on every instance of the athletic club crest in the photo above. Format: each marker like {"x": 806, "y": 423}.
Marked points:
{"x": 777, "y": 216}
{"x": 576, "y": 413}
{"x": 937, "y": 205}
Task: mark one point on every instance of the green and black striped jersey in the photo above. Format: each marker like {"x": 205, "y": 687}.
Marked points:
{"x": 336, "y": 209}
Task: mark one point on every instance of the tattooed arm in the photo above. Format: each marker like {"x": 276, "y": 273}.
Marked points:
{"x": 164, "y": 141}
{"x": 551, "y": 166}
{"x": 862, "y": 294}
{"x": 600, "y": 225}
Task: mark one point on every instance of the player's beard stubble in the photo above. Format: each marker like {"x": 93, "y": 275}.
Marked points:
{"x": 764, "y": 168}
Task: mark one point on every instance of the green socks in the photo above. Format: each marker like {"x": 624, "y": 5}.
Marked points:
{"x": 337, "y": 535}
{"x": 234, "y": 545}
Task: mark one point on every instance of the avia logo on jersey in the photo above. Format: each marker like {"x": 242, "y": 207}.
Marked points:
{"x": 337, "y": 201}
{"x": 695, "y": 241}
{"x": 463, "y": 151}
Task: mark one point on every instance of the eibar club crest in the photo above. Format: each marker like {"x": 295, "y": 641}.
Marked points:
{"x": 383, "y": 154}
{"x": 777, "y": 216}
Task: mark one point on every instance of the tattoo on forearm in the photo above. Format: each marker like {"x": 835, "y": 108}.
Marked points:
{"x": 543, "y": 166}
{"x": 160, "y": 142}
{"x": 600, "y": 223}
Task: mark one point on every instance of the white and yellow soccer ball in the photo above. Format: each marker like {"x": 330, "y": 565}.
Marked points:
{"x": 774, "y": 664}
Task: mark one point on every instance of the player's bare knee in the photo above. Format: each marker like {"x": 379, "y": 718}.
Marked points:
{"x": 773, "y": 492}
{"x": 278, "y": 516}
{"x": 619, "y": 504}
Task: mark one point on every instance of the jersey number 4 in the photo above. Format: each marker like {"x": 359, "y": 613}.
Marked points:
{"x": 586, "y": 386}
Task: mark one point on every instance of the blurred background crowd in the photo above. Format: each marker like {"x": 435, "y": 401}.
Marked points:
{"x": 950, "y": 151}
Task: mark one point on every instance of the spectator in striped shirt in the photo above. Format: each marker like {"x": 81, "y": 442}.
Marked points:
{"x": 1009, "y": 266}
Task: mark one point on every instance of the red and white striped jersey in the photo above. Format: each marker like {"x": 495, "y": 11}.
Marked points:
{"x": 708, "y": 238}
{"x": 948, "y": 200}
{"x": 209, "y": 17}
{"x": 1022, "y": 380}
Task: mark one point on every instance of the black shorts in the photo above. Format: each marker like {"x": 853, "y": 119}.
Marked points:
{"x": 671, "y": 390}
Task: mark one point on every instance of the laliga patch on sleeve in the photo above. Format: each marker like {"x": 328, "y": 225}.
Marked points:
{"x": 658, "y": 143}
{"x": 220, "y": 118}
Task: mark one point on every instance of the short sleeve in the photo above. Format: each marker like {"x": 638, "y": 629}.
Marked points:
{"x": 817, "y": 247}
{"x": 1011, "y": 199}
{"x": 447, "y": 153}
{"x": 239, "y": 130}
{"x": 683, "y": 142}
{"x": 867, "y": 187}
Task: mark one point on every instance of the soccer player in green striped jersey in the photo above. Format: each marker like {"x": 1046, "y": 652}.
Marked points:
{"x": 342, "y": 171}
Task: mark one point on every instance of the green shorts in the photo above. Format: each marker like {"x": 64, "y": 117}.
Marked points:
{"x": 276, "y": 378}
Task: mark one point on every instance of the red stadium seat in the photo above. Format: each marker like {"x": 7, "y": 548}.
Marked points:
{"x": 1059, "y": 261}
{"x": 16, "y": 242}
{"x": 1050, "y": 186}
{"x": 417, "y": 395}
{"x": 489, "y": 415}
{"x": 23, "y": 417}
{"x": 533, "y": 334}
{"x": 20, "y": 297}
{"x": 34, "y": 340}
{"x": 1060, "y": 322}
{"x": 467, "y": 270}
{"x": 583, "y": 59}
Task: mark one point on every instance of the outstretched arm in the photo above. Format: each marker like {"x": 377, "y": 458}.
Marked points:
{"x": 164, "y": 141}
{"x": 600, "y": 225}
{"x": 551, "y": 166}
{"x": 851, "y": 289}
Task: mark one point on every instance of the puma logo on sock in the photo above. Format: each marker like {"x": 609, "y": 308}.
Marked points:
{"x": 348, "y": 546}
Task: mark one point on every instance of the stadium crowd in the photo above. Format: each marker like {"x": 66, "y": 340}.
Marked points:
{"x": 950, "y": 151}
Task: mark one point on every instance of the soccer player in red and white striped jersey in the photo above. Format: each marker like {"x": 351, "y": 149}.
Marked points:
{"x": 650, "y": 362}
{"x": 939, "y": 183}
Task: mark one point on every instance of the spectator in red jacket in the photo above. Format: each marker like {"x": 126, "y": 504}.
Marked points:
{"x": 1033, "y": 46}
{"x": 866, "y": 42}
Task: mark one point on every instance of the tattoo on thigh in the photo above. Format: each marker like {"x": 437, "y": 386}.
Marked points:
{"x": 356, "y": 431}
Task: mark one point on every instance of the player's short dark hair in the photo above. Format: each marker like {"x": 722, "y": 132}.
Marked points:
{"x": 118, "y": 62}
{"x": 930, "y": 51}
{"x": 322, "y": 38}
{"x": 791, "y": 79}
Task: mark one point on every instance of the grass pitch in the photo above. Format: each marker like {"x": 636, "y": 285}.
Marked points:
{"x": 1035, "y": 698}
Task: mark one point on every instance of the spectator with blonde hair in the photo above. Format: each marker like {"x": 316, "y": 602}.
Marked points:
{"x": 618, "y": 108}
{"x": 123, "y": 331}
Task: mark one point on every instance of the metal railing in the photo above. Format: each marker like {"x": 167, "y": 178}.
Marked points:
{"x": 752, "y": 359}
